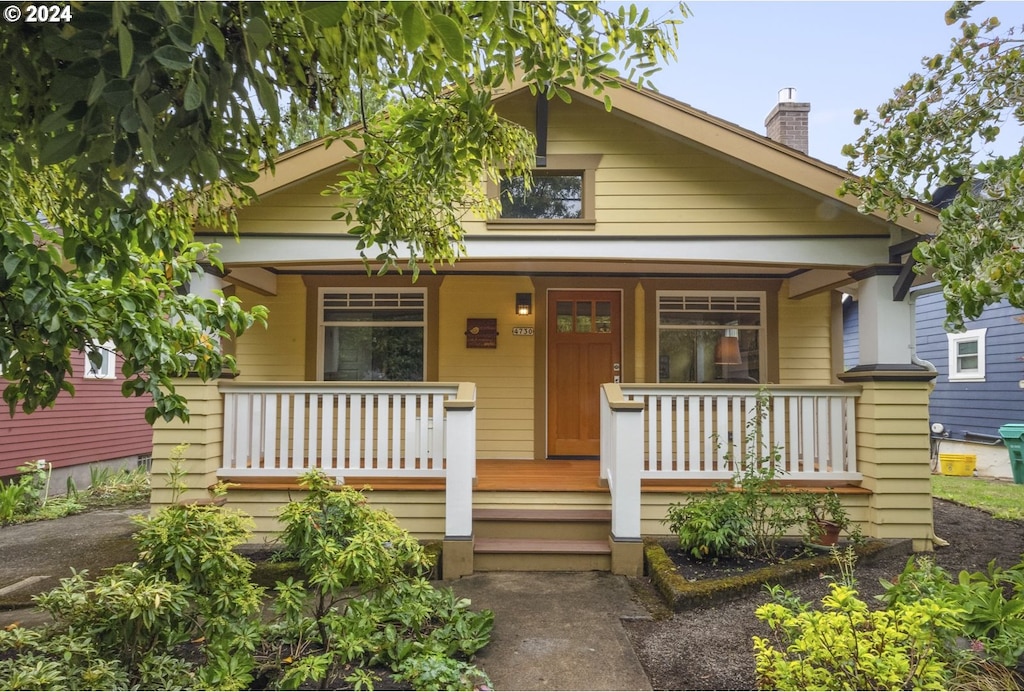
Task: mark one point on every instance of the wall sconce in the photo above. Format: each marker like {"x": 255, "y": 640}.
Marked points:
{"x": 524, "y": 303}
{"x": 727, "y": 351}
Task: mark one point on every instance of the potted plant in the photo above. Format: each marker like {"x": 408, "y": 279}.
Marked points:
{"x": 826, "y": 518}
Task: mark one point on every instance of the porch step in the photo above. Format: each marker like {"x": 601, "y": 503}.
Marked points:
{"x": 519, "y": 539}
{"x": 540, "y": 555}
{"x": 542, "y": 524}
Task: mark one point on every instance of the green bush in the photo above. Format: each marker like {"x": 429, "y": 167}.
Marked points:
{"x": 749, "y": 515}
{"x": 187, "y": 615}
{"x": 992, "y": 601}
{"x": 365, "y": 602}
{"x": 846, "y": 646}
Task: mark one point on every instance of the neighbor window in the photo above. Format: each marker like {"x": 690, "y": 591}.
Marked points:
{"x": 372, "y": 335}
{"x": 99, "y": 361}
{"x": 967, "y": 356}
{"x": 553, "y": 195}
{"x": 710, "y": 336}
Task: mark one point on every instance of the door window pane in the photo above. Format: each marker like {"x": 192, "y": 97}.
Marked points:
{"x": 583, "y": 318}
{"x": 563, "y": 316}
{"x": 603, "y": 317}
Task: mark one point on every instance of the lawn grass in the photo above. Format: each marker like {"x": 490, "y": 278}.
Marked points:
{"x": 1000, "y": 499}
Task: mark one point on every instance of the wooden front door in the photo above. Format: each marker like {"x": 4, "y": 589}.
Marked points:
{"x": 584, "y": 351}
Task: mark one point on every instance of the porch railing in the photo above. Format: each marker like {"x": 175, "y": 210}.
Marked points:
{"x": 699, "y": 432}
{"x": 396, "y": 430}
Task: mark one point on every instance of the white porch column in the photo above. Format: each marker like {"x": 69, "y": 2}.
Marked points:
{"x": 886, "y": 326}
{"x": 460, "y": 472}
{"x": 622, "y": 460}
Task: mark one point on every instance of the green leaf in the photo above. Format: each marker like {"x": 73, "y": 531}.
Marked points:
{"x": 59, "y": 148}
{"x": 259, "y": 33}
{"x": 125, "y": 49}
{"x": 193, "y": 94}
{"x": 414, "y": 26}
{"x": 173, "y": 58}
{"x": 451, "y": 36}
{"x": 323, "y": 13}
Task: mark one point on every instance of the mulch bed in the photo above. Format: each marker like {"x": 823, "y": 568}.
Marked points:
{"x": 709, "y": 648}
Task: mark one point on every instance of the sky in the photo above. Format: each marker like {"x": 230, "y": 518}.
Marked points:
{"x": 734, "y": 57}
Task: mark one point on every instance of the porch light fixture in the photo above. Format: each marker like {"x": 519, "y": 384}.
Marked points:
{"x": 727, "y": 351}
{"x": 524, "y": 303}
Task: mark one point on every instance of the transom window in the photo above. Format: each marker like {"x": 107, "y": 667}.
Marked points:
{"x": 967, "y": 356}
{"x": 554, "y": 195}
{"x": 372, "y": 335}
{"x": 710, "y": 336}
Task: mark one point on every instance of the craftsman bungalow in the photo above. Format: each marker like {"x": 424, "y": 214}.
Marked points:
{"x": 593, "y": 358}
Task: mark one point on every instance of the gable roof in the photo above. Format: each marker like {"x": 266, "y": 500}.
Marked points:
{"x": 655, "y": 110}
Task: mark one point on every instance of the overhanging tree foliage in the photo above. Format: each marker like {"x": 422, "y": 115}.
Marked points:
{"x": 945, "y": 127}
{"x": 135, "y": 123}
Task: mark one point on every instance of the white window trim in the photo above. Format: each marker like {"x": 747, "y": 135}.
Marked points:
{"x": 955, "y": 339}
{"x": 762, "y": 297}
{"x": 322, "y": 324}
{"x": 106, "y": 371}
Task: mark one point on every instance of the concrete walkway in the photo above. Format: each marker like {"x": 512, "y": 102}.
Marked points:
{"x": 557, "y": 630}
{"x": 552, "y": 630}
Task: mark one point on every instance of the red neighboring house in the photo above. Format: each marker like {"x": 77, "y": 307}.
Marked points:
{"x": 96, "y": 425}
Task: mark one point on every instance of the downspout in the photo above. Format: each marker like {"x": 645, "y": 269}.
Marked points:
{"x": 925, "y": 290}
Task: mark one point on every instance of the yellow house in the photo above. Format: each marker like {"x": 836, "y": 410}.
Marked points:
{"x": 594, "y": 357}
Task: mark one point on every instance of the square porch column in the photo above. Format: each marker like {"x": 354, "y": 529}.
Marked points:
{"x": 893, "y": 452}
{"x": 203, "y": 433}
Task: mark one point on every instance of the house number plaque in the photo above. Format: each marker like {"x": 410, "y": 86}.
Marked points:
{"x": 482, "y": 332}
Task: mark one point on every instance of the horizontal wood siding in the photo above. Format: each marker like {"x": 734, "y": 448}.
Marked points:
{"x": 805, "y": 340}
{"x": 978, "y": 407}
{"x": 97, "y": 424}
{"x": 503, "y": 375}
{"x": 893, "y": 455}
{"x": 421, "y": 513}
{"x": 648, "y": 183}
{"x": 278, "y": 352}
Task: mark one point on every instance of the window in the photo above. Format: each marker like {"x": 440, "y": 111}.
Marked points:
{"x": 554, "y": 195}
{"x": 372, "y": 335}
{"x": 562, "y": 196}
{"x": 99, "y": 362}
{"x": 967, "y": 356}
{"x": 710, "y": 336}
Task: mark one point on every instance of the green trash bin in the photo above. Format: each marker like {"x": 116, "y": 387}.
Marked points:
{"x": 1013, "y": 438}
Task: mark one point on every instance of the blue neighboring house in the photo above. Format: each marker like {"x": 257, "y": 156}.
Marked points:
{"x": 980, "y": 383}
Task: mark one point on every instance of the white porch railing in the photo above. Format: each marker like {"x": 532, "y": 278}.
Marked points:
{"x": 409, "y": 430}
{"x": 699, "y": 432}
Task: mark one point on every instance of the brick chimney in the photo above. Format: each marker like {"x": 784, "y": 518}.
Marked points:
{"x": 787, "y": 123}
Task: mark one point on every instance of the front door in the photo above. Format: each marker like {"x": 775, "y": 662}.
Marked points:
{"x": 584, "y": 352}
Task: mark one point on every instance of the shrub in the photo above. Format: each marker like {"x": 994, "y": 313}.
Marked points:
{"x": 846, "y": 646}
{"x": 365, "y": 602}
{"x": 749, "y": 515}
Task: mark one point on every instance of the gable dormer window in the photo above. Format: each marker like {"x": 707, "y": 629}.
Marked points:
{"x": 553, "y": 195}
{"x": 562, "y": 196}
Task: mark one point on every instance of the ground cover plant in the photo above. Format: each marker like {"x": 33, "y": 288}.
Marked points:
{"x": 188, "y": 615}
{"x": 27, "y": 497}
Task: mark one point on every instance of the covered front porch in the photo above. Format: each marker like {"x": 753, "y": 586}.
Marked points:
{"x": 414, "y": 445}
